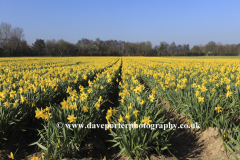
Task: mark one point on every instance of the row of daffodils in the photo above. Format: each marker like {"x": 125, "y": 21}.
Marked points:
{"x": 62, "y": 134}
{"x": 138, "y": 109}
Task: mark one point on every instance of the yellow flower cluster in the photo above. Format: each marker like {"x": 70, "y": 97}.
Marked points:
{"x": 43, "y": 113}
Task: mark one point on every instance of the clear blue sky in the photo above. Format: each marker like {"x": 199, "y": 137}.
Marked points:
{"x": 182, "y": 21}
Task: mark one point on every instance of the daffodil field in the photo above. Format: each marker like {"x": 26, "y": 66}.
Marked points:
{"x": 80, "y": 90}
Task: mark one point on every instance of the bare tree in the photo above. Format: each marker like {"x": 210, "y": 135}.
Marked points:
{"x": 164, "y": 48}
{"x": 173, "y": 48}
{"x": 5, "y": 33}
{"x": 148, "y": 48}
{"x": 51, "y": 47}
{"x": 142, "y": 48}
{"x": 15, "y": 38}
{"x": 186, "y": 49}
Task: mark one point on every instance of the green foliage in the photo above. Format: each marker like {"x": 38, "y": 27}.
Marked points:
{"x": 38, "y": 46}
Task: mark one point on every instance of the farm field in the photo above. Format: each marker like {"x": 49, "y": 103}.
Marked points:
{"x": 44, "y": 101}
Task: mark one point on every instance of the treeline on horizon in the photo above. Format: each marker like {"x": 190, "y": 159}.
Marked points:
{"x": 12, "y": 44}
